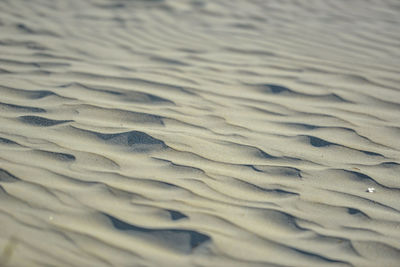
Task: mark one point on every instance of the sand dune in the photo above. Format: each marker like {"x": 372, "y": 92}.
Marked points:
{"x": 199, "y": 133}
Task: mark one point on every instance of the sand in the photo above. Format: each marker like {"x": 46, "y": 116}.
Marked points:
{"x": 199, "y": 133}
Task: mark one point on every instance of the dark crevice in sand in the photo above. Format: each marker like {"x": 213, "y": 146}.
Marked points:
{"x": 7, "y": 177}
{"x": 19, "y": 108}
{"x": 176, "y": 215}
{"x": 41, "y": 121}
{"x": 188, "y": 237}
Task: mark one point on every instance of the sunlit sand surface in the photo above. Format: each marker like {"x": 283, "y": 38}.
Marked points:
{"x": 199, "y": 133}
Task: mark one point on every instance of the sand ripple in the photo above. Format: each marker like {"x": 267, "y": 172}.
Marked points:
{"x": 199, "y": 133}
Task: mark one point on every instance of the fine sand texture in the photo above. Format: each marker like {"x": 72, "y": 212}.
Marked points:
{"x": 199, "y": 133}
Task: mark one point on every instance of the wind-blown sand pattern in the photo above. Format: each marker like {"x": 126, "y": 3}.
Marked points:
{"x": 199, "y": 133}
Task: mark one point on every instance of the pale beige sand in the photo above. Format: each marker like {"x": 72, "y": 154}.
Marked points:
{"x": 199, "y": 133}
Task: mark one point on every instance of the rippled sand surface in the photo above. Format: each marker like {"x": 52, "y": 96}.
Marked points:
{"x": 199, "y": 133}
